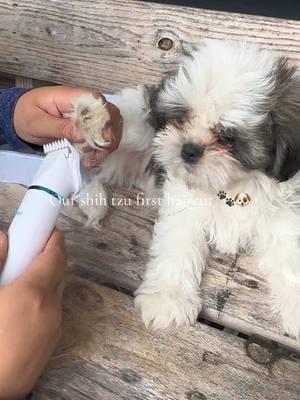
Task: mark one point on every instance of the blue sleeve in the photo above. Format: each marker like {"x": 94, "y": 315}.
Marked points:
{"x": 8, "y": 135}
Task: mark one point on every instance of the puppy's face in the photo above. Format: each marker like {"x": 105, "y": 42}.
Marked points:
{"x": 230, "y": 109}
{"x": 193, "y": 153}
{"x": 213, "y": 156}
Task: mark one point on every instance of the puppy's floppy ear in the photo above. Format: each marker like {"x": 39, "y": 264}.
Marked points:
{"x": 285, "y": 116}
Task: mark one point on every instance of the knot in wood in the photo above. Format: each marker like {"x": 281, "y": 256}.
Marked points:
{"x": 130, "y": 376}
{"x": 195, "y": 395}
{"x": 50, "y": 31}
{"x": 259, "y": 354}
{"x": 251, "y": 283}
{"x": 165, "y": 44}
{"x": 211, "y": 358}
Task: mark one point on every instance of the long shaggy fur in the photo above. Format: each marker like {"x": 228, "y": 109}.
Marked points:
{"x": 228, "y": 120}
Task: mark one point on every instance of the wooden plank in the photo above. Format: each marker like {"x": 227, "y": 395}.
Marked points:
{"x": 106, "y": 353}
{"x": 234, "y": 292}
{"x": 6, "y": 82}
{"x": 110, "y": 44}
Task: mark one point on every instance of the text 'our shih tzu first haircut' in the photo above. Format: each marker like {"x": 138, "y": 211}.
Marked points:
{"x": 227, "y": 121}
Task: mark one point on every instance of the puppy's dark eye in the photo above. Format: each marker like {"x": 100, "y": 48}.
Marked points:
{"x": 227, "y": 136}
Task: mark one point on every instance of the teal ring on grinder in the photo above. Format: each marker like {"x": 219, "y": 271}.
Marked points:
{"x": 49, "y": 191}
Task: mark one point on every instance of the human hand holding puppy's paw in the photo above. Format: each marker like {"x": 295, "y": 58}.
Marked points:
{"x": 39, "y": 119}
{"x": 100, "y": 125}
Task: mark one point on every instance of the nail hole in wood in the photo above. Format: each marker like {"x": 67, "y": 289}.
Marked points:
{"x": 165, "y": 44}
{"x": 101, "y": 245}
{"x": 251, "y": 283}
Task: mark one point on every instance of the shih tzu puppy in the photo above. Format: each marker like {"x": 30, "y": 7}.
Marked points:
{"x": 221, "y": 139}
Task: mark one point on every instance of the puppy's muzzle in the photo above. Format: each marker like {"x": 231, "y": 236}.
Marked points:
{"x": 191, "y": 153}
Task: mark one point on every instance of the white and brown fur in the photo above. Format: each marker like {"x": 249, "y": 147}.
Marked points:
{"x": 229, "y": 120}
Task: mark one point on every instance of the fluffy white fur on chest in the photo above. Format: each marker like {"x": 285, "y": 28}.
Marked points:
{"x": 191, "y": 221}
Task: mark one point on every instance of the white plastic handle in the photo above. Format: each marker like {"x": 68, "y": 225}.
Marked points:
{"x": 29, "y": 232}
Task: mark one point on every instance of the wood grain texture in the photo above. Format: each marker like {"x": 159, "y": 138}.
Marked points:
{"x": 110, "y": 44}
{"x": 106, "y": 353}
{"x": 234, "y": 292}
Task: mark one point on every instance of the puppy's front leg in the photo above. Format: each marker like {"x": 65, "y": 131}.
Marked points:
{"x": 281, "y": 262}
{"x": 169, "y": 294}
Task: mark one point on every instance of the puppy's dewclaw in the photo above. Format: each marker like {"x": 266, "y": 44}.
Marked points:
{"x": 90, "y": 116}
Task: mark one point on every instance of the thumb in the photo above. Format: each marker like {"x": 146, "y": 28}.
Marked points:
{"x": 3, "y": 249}
{"x": 57, "y": 128}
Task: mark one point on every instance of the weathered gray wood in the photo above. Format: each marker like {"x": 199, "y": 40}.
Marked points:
{"x": 107, "y": 354}
{"x": 110, "y": 44}
{"x": 20, "y": 81}
{"x": 234, "y": 292}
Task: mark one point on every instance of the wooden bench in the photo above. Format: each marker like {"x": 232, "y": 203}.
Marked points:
{"x": 106, "y": 353}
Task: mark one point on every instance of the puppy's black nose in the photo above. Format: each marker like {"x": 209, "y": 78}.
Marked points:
{"x": 191, "y": 152}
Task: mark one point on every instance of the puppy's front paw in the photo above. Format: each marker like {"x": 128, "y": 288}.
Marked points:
{"x": 290, "y": 315}
{"x": 285, "y": 299}
{"x": 90, "y": 116}
{"x": 161, "y": 309}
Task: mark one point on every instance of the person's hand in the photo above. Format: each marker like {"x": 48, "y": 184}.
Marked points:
{"x": 30, "y": 318}
{"x": 38, "y": 119}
